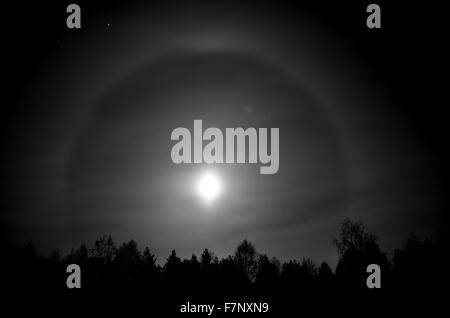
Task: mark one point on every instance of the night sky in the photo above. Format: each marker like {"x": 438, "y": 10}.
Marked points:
{"x": 89, "y": 113}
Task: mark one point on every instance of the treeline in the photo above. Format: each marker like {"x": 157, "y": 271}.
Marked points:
{"x": 106, "y": 266}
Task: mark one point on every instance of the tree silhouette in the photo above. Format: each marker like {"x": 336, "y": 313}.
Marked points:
{"x": 417, "y": 265}
{"x": 268, "y": 272}
{"x": 207, "y": 258}
{"x": 326, "y": 278}
{"x": 357, "y": 248}
{"x": 173, "y": 271}
{"x": 309, "y": 267}
{"x": 325, "y": 270}
{"x": 149, "y": 260}
{"x": 245, "y": 258}
{"x": 151, "y": 271}
{"x": 173, "y": 263}
{"x": 129, "y": 264}
{"x": 104, "y": 250}
{"x": 420, "y": 265}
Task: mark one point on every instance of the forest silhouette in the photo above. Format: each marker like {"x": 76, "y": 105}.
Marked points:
{"x": 417, "y": 265}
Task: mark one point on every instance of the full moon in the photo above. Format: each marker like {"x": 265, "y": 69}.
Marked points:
{"x": 209, "y": 186}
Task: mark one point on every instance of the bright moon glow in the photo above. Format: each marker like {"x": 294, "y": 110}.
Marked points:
{"x": 209, "y": 187}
